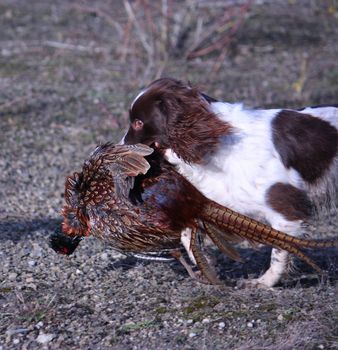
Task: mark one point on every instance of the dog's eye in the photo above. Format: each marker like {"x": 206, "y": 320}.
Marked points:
{"x": 137, "y": 124}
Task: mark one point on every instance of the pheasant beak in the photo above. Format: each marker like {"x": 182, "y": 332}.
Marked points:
{"x": 63, "y": 244}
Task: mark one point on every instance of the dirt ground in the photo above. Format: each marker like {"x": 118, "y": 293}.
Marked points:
{"x": 65, "y": 86}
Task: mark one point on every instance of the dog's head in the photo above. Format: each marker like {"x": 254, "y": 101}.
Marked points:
{"x": 170, "y": 114}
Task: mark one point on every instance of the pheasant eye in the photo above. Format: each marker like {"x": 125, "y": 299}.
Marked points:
{"x": 137, "y": 124}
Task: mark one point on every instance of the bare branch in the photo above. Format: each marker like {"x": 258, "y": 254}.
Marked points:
{"x": 140, "y": 33}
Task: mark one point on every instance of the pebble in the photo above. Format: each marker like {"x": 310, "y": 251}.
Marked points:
{"x": 5, "y": 52}
{"x": 16, "y": 341}
{"x": 39, "y": 324}
{"x": 31, "y": 263}
{"x": 44, "y": 338}
{"x": 12, "y": 276}
{"x": 250, "y": 324}
{"x": 221, "y": 325}
{"x": 205, "y": 320}
{"x": 31, "y": 286}
{"x": 10, "y": 332}
{"x": 192, "y": 334}
{"x": 280, "y": 317}
{"x": 104, "y": 256}
{"x": 36, "y": 251}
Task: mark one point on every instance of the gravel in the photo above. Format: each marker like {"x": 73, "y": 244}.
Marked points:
{"x": 57, "y": 104}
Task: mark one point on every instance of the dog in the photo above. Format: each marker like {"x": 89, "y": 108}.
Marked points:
{"x": 273, "y": 165}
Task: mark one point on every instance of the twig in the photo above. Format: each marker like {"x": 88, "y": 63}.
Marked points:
{"x": 145, "y": 8}
{"x": 222, "y": 26}
{"x": 16, "y": 101}
{"x": 218, "y": 64}
{"x": 65, "y": 46}
{"x": 50, "y": 301}
{"x": 139, "y": 31}
{"x": 208, "y": 33}
{"x": 20, "y": 297}
{"x": 99, "y": 13}
{"x": 126, "y": 40}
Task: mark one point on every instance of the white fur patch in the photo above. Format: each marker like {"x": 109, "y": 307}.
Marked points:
{"x": 137, "y": 97}
{"x": 123, "y": 139}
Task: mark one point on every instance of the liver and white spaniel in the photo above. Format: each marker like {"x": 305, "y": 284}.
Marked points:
{"x": 271, "y": 164}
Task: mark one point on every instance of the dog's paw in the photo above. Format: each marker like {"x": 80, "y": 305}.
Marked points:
{"x": 255, "y": 283}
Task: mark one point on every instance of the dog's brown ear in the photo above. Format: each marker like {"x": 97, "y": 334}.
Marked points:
{"x": 193, "y": 130}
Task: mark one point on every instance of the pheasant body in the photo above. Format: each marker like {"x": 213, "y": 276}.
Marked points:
{"x": 142, "y": 207}
{"x": 98, "y": 204}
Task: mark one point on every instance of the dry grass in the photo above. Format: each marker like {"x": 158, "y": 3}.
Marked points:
{"x": 153, "y": 33}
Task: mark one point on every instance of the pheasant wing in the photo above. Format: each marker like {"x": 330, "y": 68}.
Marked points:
{"x": 122, "y": 163}
{"x": 127, "y": 160}
{"x": 121, "y": 160}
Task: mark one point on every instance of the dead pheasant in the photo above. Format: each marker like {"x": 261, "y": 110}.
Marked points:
{"x": 143, "y": 208}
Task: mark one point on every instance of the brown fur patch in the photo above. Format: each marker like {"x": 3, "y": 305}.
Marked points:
{"x": 177, "y": 117}
{"x": 306, "y": 143}
{"x": 288, "y": 200}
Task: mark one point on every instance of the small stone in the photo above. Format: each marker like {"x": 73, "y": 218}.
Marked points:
{"x": 321, "y": 346}
{"x": 12, "y": 276}
{"x": 205, "y": 320}
{"x": 31, "y": 286}
{"x": 11, "y": 332}
{"x": 31, "y": 263}
{"x": 280, "y": 317}
{"x": 192, "y": 334}
{"x": 16, "y": 341}
{"x": 36, "y": 251}
{"x": 250, "y": 324}
{"x": 190, "y": 321}
{"x": 221, "y": 325}
{"x": 39, "y": 324}
{"x": 29, "y": 279}
{"x": 44, "y": 338}
{"x": 104, "y": 256}
{"x": 5, "y": 52}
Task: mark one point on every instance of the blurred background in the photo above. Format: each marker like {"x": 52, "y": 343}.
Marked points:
{"x": 68, "y": 73}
